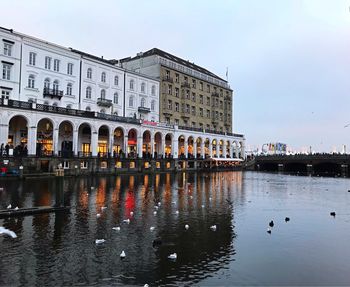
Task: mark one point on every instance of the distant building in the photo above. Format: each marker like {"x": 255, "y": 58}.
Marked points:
{"x": 190, "y": 95}
{"x": 274, "y": 148}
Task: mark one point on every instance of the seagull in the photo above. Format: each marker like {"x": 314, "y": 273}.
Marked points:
{"x": 92, "y": 187}
{"x": 286, "y": 219}
{"x": 202, "y": 205}
{"x": 187, "y": 226}
{"x": 9, "y": 206}
{"x": 271, "y": 224}
{"x": 98, "y": 215}
{"x": 146, "y": 285}
{"x": 213, "y": 227}
{"x": 16, "y": 208}
{"x": 99, "y": 241}
{"x": 159, "y": 203}
{"x": 103, "y": 208}
{"x": 126, "y": 221}
{"x": 116, "y": 228}
{"x": 122, "y": 255}
{"x": 177, "y": 212}
{"x": 332, "y": 213}
{"x": 154, "y": 212}
{"x": 131, "y": 213}
{"x": 7, "y": 232}
{"x": 156, "y": 207}
{"x": 347, "y": 125}
{"x": 151, "y": 228}
{"x": 269, "y": 230}
{"x": 172, "y": 256}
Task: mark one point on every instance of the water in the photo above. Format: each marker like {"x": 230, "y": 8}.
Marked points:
{"x": 59, "y": 249}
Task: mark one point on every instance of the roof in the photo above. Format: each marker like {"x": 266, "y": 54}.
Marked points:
{"x": 156, "y": 51}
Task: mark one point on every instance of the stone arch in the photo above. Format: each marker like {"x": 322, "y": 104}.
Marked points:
{"x": 119, "y": 142}
{"x": 85, "y": 131}
{"x": 206, "y": 148}
{"x": 146, "y": 144}
{"x": 44, "y": 137}
{"x": 158, "y": 148}
{"x": 214, "y": 147}
{"x": 65, "y": 138}
{"x": 181, "y": 145}
{"x": 228, "y": 149}
{"x": 199, "y": 148}
{"x": 190, "y": 147}
{"x": 18, "y": 135}
{"x": 103, "y": 141}
{"x": 169, "y": 145}
{"x": 132, "y": 143}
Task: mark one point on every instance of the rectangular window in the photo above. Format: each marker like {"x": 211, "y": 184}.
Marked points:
{"x": 5, "y": 94}
{"x": 201, "y": 125}
{"x": 167, "y": 74}
{"x": 208, "y": 101}
{"x": 193, "y": 124}
{"x": 177, "y": 78}
{"x": 70, "y": 69}
{"x": 208, "y": 88}
{"x": 170, "y": 105}
{"x": 170, "y": 89}
{"x": 84, "y": 165}
{"x": 176, "y": 122}
{"x": 6, "y": 71}
{"x": 201, "y": 99}
{"x": 177, "y": 107}
{"x": 177, "y": 92}
{"x": 193, "y": 83}
{"x": 194, "y": 97}
{"x": 201, "y": 112}
{"x": 187, "y": 109}
{"x": 193, "y": 111}
{"x": 56, "y": 65}
{"x": 208, "y": 114}
{"x": 48, "y": 63}
{"x": 66, "y": 164}
{"x": 188, "y": 94}
{"x": 32, "y": 58}
{"x": 201, "y": 86}
{"x": 7, "y": 49}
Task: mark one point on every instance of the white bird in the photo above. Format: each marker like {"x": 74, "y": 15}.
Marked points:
{"x": 213, "y": 227}
{"x": 7, "y": 232}
{"x": 9, "y": 206}
{"x": 177, "y": 212}
{"x": 172, "y": 256}
{"x": 187, "y": 226}
{"x": 103, "y": 208}
{"x": 154, "y": 212}
{"x": 99, "y": 241}
{"x": 159, "y": 203}
{"x": 156, "y": 207}
{"x": 92, "y": 187}
{"x": 16, "y": 208}
{"x": 210, "y": 198}
{"x": 122, "y": 255}
{"x": 98, "y": 215}
{"x": 146, "y": 285}
{"x": 202, "y": 205}
{"x": 131, "y": 213}
{"x": 151, "y": 228}
{"x": 116, "y": 228}
{"x": 126, "y": 221}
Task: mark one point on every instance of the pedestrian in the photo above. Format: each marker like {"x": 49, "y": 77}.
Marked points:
{"x": 2, "y": 149}
{"x": 7, "y": 148}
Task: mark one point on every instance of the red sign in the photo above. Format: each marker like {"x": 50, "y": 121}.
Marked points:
{"x": 149, "y": 123}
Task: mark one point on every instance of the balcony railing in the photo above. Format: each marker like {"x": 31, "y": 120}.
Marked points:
{"x": 168, "y": 79}
{"x": 215, "y": 94}
{"x": 52, "y": 93}
{"x": 185, "y": 85}
{"x": 144, "y": 110}
{"x": 104, "y": 102}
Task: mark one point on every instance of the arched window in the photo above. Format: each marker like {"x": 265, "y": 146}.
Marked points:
{"x": 143, "y": 102}
{"x": 55, "y": 105}
{"x": 69, "y": 89}
{"x": 143, "y": 88}
{"x": 115, "y": 113}
{"x": 153, "y": 90}
{"x": 103, "y": 94}
{"x": 31, "y": 81}
{"x": 131, "y": 101}
{"x": 116, "y": 80}
{"x": 69, "y": 106}
{"x": 89, "y": 73}
{"x": 55, "y": 85}
{"x": 132, "y": 84}
{"x": 88, "y": 108}
{"x": 153, "y": 104}
{"x": 103, "y": 77}
{"x": 47, "y": 84}
{"x": 116, "y": 98}
{"x": 88, "y": 92}
{"x": 103, "y": 111}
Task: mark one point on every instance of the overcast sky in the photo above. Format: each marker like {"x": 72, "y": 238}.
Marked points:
{"x": 288, "y": 60}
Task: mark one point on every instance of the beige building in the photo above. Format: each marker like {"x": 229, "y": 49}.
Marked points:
{"x": 190, "y": 96}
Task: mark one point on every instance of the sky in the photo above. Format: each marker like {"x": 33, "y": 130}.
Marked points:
{"x": 288, "y": 61}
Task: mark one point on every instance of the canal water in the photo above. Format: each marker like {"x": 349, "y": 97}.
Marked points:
{"x": 59, "y": 249}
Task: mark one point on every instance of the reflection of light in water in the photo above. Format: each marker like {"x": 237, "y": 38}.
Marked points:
{"x": 101, "y": 194}
{"x": 129, "y": 203}
{"x": 115, "y": 195}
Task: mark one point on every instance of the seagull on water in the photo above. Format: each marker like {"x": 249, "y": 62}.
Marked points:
{"x": 103, "y": 208}
{"x": 9, "y": 206}
{"x": 98, "y": 215}
{"x": 269, "y": 230}
{"x": 187, "y": 226}
{"x": 213, "y": 227}
{"x": 172, "y": 256}
{"x": 151, "y": 228}
{"x": 131, "y": 213}
{"x": 9, "y": 232}
{"x": 99, "y": 241}
{"x": 126, "y": 221}
{"x": 154, "y": 212}
{"x": 117, "y": 228}
{"x": 122, "y": 255}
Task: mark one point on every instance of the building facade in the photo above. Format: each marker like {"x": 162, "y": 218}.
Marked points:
{"x": 60, "y": 102}
{"x": 190, "y": 95}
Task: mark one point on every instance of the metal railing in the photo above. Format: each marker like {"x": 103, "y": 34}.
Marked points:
{"x": 53, "y": 93}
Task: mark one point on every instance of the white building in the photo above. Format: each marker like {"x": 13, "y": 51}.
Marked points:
{"x": 60, "y": 101}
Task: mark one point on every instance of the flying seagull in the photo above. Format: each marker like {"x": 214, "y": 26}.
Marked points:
{"x": 347, "y": 125}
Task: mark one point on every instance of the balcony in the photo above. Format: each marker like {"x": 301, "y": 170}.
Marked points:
{"x": 185, "y": 85}
{"x": 168, "y": 79}
{"x": 52, "y": 93}
{"x": 104, "y": 102}
{"x": 215, "y": 94}
{"x": 144, "y": 110}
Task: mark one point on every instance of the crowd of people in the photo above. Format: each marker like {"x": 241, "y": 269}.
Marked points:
{"x": 10, "y": 150}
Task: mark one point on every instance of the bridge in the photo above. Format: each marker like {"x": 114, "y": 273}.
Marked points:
{"x": 313, "y": 164}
